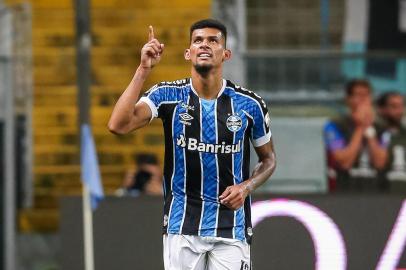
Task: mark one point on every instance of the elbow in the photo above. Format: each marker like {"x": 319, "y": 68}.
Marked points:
{"x": 345, "y": 165}
{"x": 382, "y": 162}
{"x": 271, "y": 167}
{"x": 271, "y": 163}
{"x": 342, "y": 161}
{"x": 380, "y": 165}
{"x": 115, "y": 129}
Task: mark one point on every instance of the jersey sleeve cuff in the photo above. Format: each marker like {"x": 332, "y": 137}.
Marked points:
{"x": 151, "y": 105}
{"x": 262, "y": 140}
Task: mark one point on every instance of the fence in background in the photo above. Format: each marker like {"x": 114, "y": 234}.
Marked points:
{"x": 318, "y": 76}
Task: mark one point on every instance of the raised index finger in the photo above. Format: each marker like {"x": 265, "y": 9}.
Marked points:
{"x": 151, "y": 33}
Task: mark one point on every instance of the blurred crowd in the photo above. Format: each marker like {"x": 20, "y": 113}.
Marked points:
{"x": 366, "y": 146}
{"x": 144, "y": 178}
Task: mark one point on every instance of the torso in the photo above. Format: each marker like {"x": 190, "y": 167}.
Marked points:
{"x": 206, "y": 150}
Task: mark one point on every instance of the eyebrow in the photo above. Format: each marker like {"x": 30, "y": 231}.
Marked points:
{"x": 200, "y": 36}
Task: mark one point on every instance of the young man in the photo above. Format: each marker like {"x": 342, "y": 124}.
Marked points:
{"x": 390, "y": 109}
{"x": 208, "y": 123}
{"x": 356, "y": 147}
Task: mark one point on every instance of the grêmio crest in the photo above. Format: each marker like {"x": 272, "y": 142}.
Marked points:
{"x": 234, "y": 123}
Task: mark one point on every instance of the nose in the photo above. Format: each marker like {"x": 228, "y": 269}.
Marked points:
{"x": 205, "y": 43}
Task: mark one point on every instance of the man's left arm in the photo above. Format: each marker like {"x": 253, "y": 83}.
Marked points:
{"x": 377, "y": 145}
{"x": 234, "y": 196}
{"x": 377, "y": 148}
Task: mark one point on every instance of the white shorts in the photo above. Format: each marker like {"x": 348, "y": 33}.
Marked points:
{"x": 192, "y": 252}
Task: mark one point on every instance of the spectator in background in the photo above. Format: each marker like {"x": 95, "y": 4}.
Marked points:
{"x": 356, "y": 147}
{"x": 390, "y": 107}
{"x": 146, "y": 178}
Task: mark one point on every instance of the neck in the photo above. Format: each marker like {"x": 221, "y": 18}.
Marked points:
{"x": 207, "y": 85}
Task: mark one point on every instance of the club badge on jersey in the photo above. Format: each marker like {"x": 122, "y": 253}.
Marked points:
{"x": 234, "y": 123}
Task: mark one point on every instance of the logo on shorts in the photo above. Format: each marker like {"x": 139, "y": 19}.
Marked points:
{"x": 165, "y": 220}
{"x": 244, "y": 265}
{"x": 249, "y": 231}
{"x": 234, "y": 123}
{"x": 185, "y": 118}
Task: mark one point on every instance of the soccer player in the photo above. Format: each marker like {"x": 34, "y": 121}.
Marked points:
{"x": 208, "y": 124}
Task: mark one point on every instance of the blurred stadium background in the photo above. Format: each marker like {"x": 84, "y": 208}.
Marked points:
{"x": 296, "y": 54}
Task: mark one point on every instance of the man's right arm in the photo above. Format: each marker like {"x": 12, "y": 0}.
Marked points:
{"x": 128, "y": 114}
{"x": 346, "y": 156}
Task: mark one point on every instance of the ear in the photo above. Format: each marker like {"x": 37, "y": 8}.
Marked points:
{"x": 226, "y": 55}
{"x": 187, "y": 54}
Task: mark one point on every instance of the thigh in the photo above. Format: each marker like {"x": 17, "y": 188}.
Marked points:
{"x": 229, "y": 256}
{"x": 180, "y": 254}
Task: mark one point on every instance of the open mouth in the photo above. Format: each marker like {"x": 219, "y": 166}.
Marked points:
{"x": 204, "y": 55}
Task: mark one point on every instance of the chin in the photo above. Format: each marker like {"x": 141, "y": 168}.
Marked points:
{"x": 203, "y": 69}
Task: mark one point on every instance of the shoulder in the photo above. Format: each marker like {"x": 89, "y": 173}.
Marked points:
{"x": 168, "y": 86}
{"x": 341, "y": 121}
{"x": 175, "y": 84}
{"x": 337, "y": 124}
{"x": 246, "y": 94}
{"x": 330, "y": 125}
{"x": 400, "y": 135}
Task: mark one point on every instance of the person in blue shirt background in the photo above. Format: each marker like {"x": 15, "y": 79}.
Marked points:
{"x": 356, "y": 146}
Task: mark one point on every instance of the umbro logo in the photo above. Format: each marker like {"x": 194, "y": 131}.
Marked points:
{"x": 185, "y": 118}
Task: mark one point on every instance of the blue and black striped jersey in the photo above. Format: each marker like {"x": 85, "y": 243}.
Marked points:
{"x": 206, "y": 150}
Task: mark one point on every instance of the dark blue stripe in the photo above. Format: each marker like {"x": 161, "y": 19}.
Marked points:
{"x": 166, "y": 113}
{"x": 225, "y": 223}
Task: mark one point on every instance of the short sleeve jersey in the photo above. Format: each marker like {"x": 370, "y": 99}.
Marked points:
{"x": 206, "y": 150}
